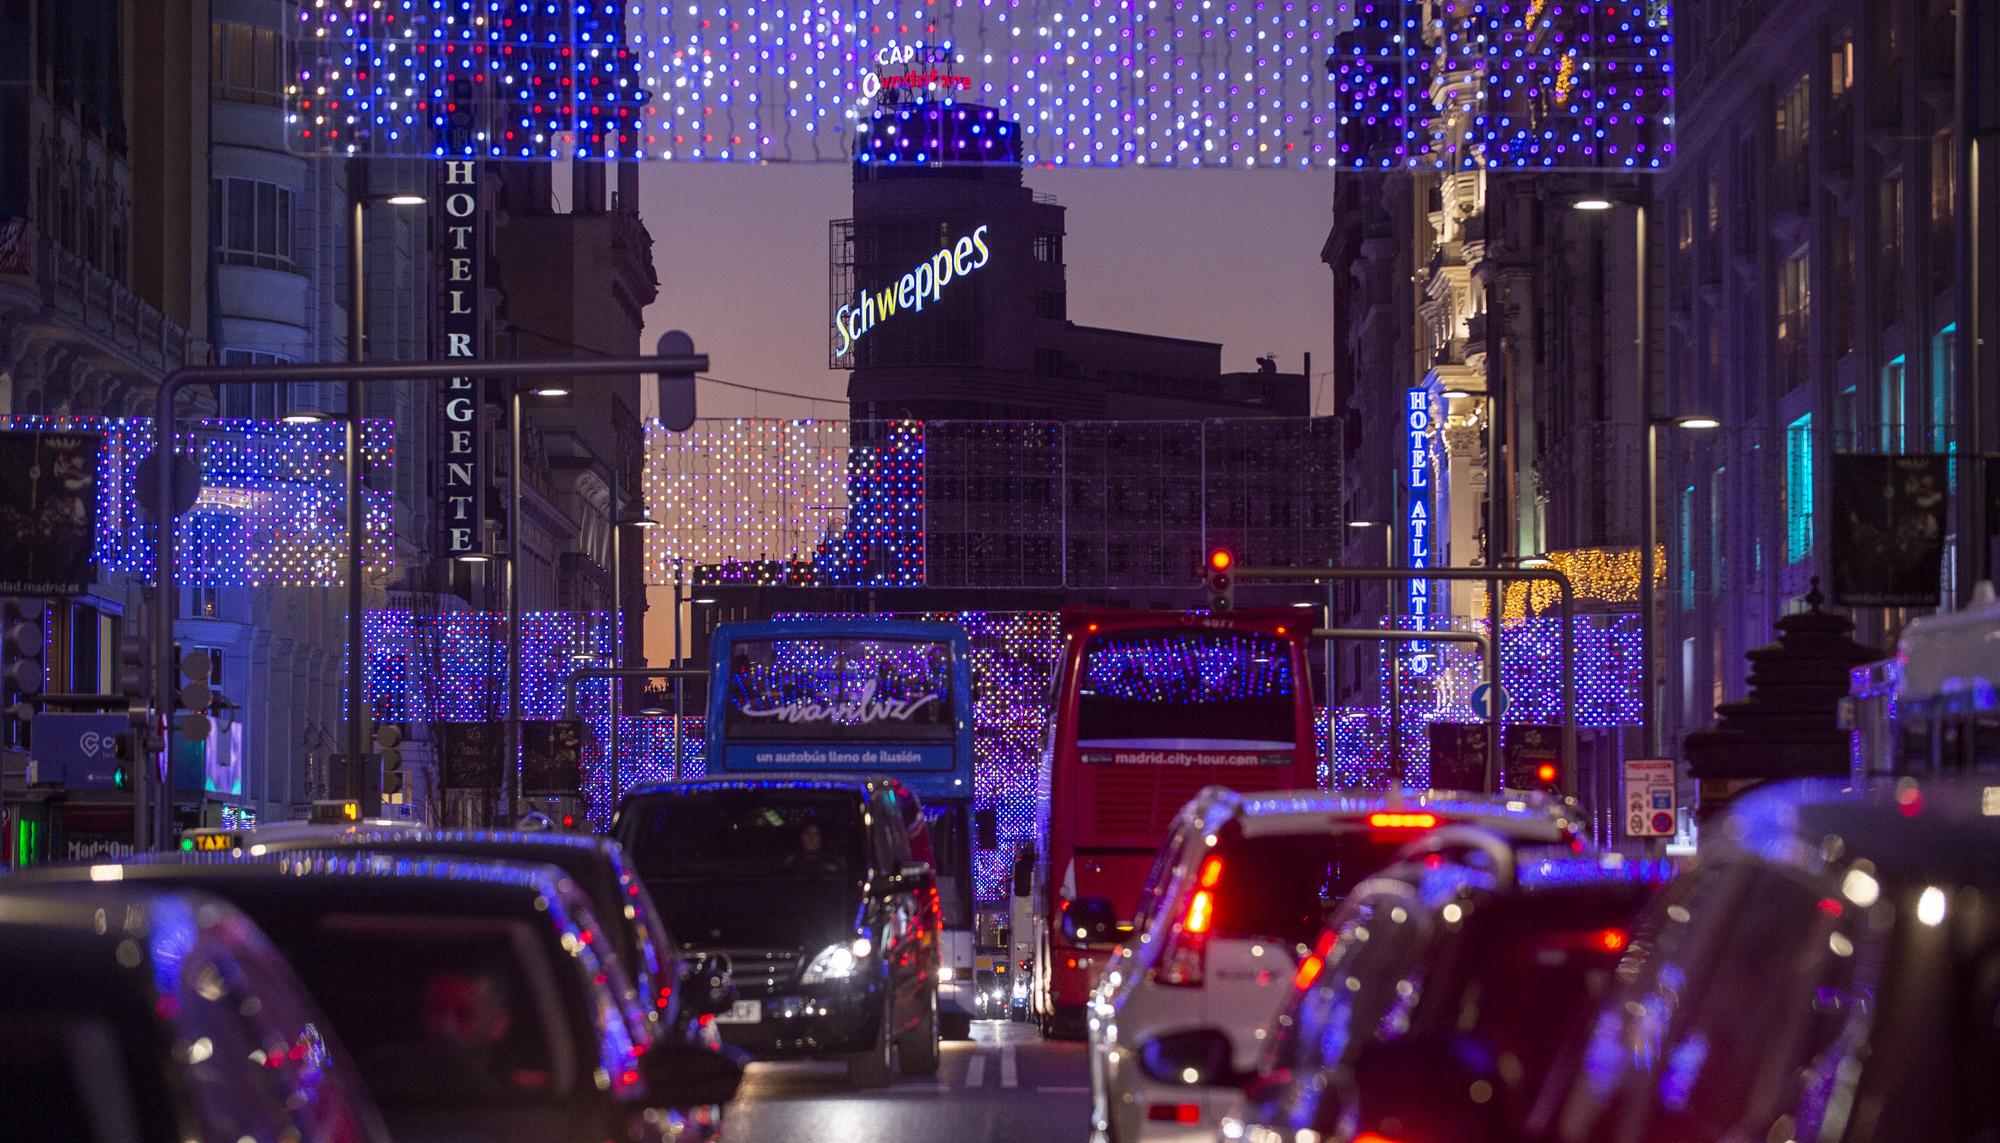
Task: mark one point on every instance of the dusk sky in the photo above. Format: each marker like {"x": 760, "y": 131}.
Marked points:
{"x": 1228, "y": 256}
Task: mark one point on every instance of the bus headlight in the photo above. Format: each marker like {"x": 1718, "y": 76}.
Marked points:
{"x": 945, "y": 974}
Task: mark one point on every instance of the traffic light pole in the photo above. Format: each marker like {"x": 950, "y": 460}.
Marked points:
{"x": 1390, "y": 635}
{"x": 153, "y": 816}
{"x": 1492, "y": 578}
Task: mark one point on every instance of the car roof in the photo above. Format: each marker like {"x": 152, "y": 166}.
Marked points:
{"x": 1540, "y": 876}
{"x": 1943, "y": 831}
{"x": 1296, "y": 811}
{"x": 569, "y": 851}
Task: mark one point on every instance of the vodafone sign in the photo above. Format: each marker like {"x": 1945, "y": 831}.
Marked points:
{"x": 924, "y": 284}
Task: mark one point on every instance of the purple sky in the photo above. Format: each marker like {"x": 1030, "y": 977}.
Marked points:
{"x": 1228, "y": 256}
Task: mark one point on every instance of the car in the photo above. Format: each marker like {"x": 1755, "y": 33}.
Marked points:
{"x": 1230, "y": 910}
{"x": 480, "y": 999}
{"x": 1436, "y": 999}
{"x": 806, "y": 884}
{"x": 677, "y": 990}
{"x": 141, "y": 1015}
{"x": 1829, "y": 970}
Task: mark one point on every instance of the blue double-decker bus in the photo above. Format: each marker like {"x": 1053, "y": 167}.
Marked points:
{"x": 863, "y": 696}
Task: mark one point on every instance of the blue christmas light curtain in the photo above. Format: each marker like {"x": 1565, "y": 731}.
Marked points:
{"x": 270, "y": 509}
{"x": 1171, "y": 84}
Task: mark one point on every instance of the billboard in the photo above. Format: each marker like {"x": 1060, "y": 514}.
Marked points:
{"x": 48, "y": 512}
{"x": 1888, "y": 527}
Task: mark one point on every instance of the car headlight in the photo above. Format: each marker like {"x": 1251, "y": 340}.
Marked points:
{"x": 838, "y": 962}
{"x": 945, "y": 973}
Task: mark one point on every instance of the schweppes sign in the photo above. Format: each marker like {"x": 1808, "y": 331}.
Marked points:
{"x": 910, "y": 292}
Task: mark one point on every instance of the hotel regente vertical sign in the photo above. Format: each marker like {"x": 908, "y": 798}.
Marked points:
{"x": 459, "y": 287}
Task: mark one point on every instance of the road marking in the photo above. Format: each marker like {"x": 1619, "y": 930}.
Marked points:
{"x": 1009, "y": 1076}
{"x": 975, "y": 1072}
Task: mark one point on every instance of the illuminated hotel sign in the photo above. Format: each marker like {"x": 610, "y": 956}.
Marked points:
{"x": 1417, "y": 516}
{"x": 926, "y": 283}
{"x": 458, "y": 322}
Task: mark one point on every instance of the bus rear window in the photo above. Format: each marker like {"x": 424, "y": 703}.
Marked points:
{"x": 1187, "y": 689}
{"x": 833, "y": 688}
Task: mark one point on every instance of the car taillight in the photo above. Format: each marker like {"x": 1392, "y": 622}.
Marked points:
{"x": 1611, "y": 940}
{"x": 1309, "y": 970}
{"x": 1371, "y": 1137}
{"x": 1188, "y": 1113}
{"x": 1182, "y": 962}
{"x": 1392, "y": 819}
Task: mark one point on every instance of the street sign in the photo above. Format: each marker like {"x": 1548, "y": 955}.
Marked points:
{"x": 79, "y": 751}
{"x": 1651, "y": 801}
{"x": 1489, "y": 693}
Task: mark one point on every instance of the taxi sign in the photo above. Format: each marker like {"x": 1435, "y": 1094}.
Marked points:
{"x": 336, "y": 812}
{"x": 210, "y": 841}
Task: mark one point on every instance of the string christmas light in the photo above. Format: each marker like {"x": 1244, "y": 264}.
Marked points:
{"x": 270, "y": 510}
{"x": 1309, "y": 84}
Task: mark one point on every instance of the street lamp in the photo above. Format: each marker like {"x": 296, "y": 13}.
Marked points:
{"x": 1649, "y": 493}
{"x": 516, "y": 549}
{"x": 1593, "y": 202}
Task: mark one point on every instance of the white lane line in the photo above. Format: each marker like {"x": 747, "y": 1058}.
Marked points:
{"x": 1009, "y": 1076}
{"x": 975, "y": 1072}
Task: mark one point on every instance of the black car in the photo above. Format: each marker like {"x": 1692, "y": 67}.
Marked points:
{"x": 1829, "y": 971}
{"x": 677, "y": 990}
{"x": 1435, "y": 1000}
{"x": 480, "y": 1000}
{"x": 139, "y": 1015}
{"x": 807, "y": 886}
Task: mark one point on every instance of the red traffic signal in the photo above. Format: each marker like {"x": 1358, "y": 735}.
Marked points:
{"x": 1221, "y": 585}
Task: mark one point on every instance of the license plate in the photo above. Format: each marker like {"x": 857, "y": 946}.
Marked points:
{"x": 742, "y": 1012}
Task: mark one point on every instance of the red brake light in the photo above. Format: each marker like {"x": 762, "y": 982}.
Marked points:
{"x": 1211, "y": 872}
{"x": 1394, "y": 820}
{"x": 1200, "y": 912}
{"x": 1371, "y": 1137}
{"x": 1189, "y": 1113}
{"x": 1547, "y": 772}
{"x": 1309, "y": 970}
{"x": 1613, "y": 940}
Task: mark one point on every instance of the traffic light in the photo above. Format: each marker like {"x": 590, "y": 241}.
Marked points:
{"x": 387, "y": 737}
{"x": 195, "y": 695}
{"x": 21, "y": 633}
{"x": 133, "y": 681}
{"x": 1535, "y": 773}
{"x": 1220, "y": 579}
{"x": 125, "y": 746}
{"x": 676, "y": 389}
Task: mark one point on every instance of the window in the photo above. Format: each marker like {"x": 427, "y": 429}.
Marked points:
{"x": 1718, "y": 560}
{"x": 1943, "y": 403}
{"x": 1846, "y": 411}
{"x": 1050, "y": 304}
{"x": 1685, "y": 572}
{"x": 1840, "y": 69}
{"x": 1048, "y": 248}
{"x": 1798, "y": 490}
{"x": 244, "y": 64}
{"x": 1889, "y": 234}
{"x": 258, "y": 401}
{"x": 1944, "y": 202}
{"x": 1794, "y": 314}
{"x": 1840, "y": 275}
{"x": 252, "y": 221}
{"x": 1891, "y": 405}
{"x": 1794, "y": 133}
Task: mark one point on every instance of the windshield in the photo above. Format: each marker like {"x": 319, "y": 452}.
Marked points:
{"x": 1178, "y": 688}
{"x": 837, "y": 688}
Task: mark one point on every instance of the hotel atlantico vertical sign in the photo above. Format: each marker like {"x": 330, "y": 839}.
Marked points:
{"x": 1418, "y": 511}
{"x": 459, "y": 286}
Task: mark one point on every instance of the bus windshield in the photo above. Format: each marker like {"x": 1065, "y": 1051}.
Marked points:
{"x": 1179, "y": 688}
{"x": 825, "y": 688}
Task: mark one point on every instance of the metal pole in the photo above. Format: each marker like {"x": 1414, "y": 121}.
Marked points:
{"x": 679, "y": 687}
{"x": 510, "y": 777}
{"x": 1332, "y": 683}
{"x": 1395, "y": 718}
{"x": 357, "y": 351}
{"x": 1395, "y": 698}
{"x": 617, "y": 686}
{"x": 1649, "y": 511}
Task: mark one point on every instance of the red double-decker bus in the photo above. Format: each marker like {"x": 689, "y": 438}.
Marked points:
{"x": 1149, "y": 708}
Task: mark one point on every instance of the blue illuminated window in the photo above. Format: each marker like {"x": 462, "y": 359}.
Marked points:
{"x": 1798, "y": 489}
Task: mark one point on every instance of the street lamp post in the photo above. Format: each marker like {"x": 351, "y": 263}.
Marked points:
{"x": 1649, "y": 494}
{"x": 617, "y": 682}
{"x": 510, "y": 778}
{"x": 357, "y": 351}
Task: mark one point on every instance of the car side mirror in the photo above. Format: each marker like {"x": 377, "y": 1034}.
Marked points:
{"x": 1432, "y": 1087}
{"x": 1196, "y": 1057}
{"x": 682, "y": 1075}
{"x": 706, "y": 987}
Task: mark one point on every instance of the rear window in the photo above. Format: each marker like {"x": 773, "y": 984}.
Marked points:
{"x": 1186, "y": 688}
{"x": 443, "y": 1011}
{"x": 816, "y": 689}
{"x": 1282, "y": 888}
{"x": 753, "y": 833}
